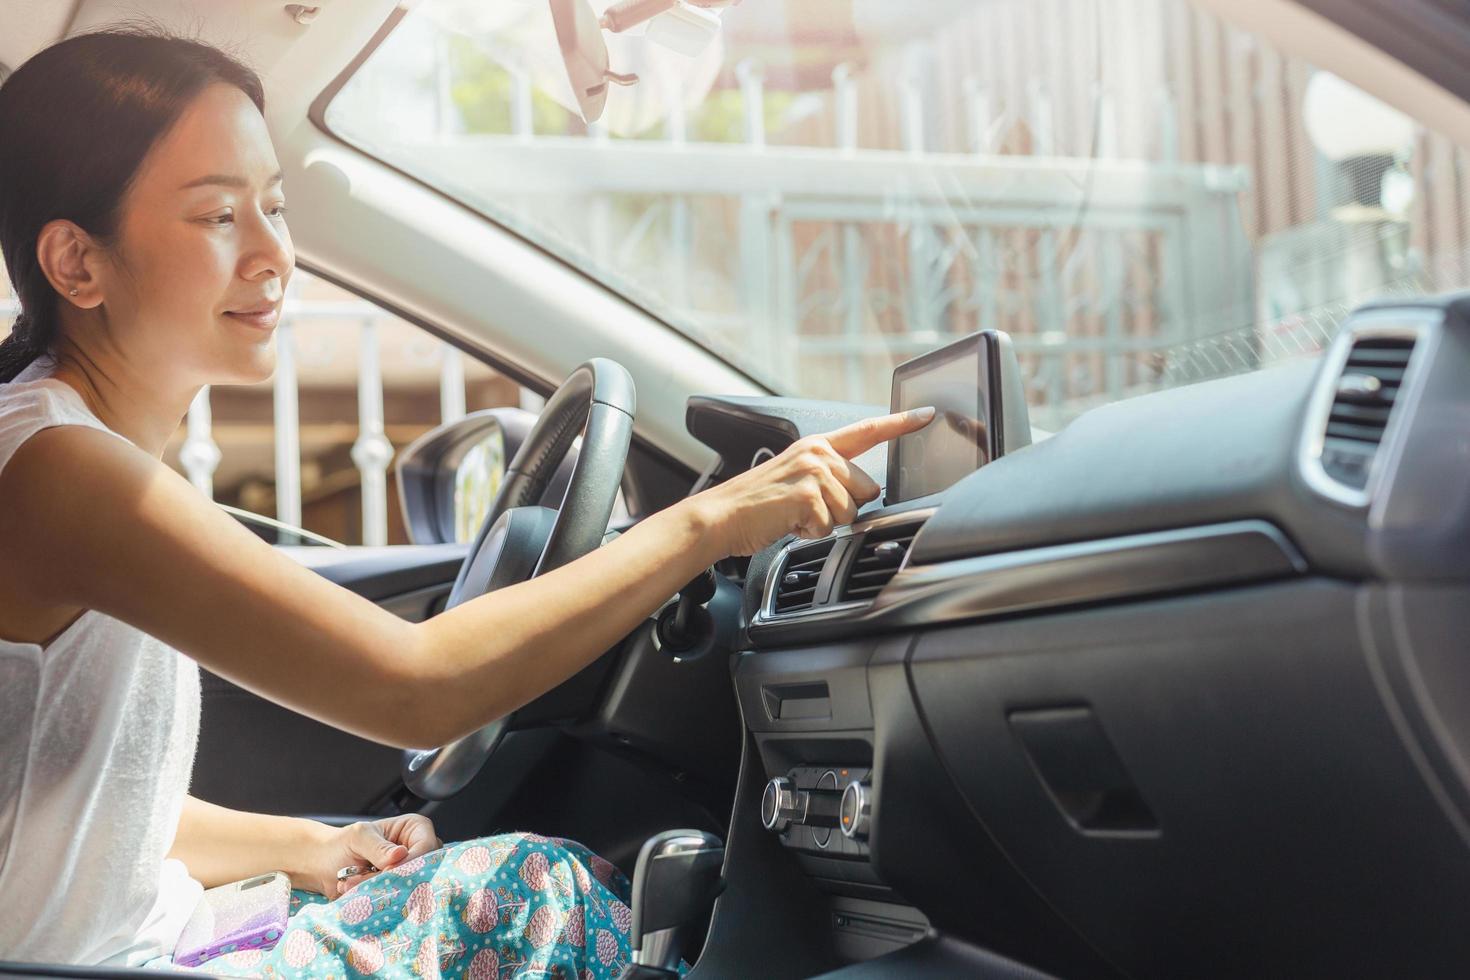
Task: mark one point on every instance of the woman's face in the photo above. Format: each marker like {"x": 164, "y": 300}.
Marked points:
{"x": 194, "y": 283}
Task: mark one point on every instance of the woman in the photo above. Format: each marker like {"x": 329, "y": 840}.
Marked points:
{"x": 142, "y": 223}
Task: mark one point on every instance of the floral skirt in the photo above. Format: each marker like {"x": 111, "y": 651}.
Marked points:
{"x": 514, "y": 905}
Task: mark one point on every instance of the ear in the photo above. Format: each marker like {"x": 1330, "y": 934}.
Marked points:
{"x": 69, "y": 258}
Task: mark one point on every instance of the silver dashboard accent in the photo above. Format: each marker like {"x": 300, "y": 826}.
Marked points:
{"x": 1089, "y": 571}
{"x": 824, "y": 842}
{"x": 767, "y": 611}
{"x": 1407, "y": 324}
{"x": 685, "y": 845}
{"x": 1129, "y": 566}
{"x": 307, "y": 538}
{"x": 857, "y": 810}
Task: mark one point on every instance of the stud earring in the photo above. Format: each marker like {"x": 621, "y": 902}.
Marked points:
{"x": 71, "y": 292}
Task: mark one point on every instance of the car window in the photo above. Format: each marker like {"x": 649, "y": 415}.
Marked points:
{"x": 1140, "y": 194}
{"x": 313, "y": 447}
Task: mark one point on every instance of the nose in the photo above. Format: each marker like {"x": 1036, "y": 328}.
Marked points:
{"x": 267, "y": 253}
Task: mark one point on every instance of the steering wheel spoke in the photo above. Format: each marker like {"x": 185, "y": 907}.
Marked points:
{"x": 504, "y": 553}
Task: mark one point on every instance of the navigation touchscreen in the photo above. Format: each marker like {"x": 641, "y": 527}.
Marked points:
{"x": 963, "y": 382}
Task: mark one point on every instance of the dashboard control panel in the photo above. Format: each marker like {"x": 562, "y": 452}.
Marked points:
{"x": 808, "y": 808}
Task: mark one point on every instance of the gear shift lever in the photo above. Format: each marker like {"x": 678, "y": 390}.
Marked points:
{"x": 677, "y": 877}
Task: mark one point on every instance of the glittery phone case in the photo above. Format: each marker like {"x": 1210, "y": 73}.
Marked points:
{"x": 249, "y": 914}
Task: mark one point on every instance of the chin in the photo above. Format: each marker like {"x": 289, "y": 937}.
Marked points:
{"x": 257, "y": 366}
{"x": 263, "y": 371}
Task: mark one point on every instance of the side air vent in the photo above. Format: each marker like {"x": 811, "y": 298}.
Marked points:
{"x": 878, "y": 556}
{"x": 1361, "y": 405}
{"x": 797, "y": 588}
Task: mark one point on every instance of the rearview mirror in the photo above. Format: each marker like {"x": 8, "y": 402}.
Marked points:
{"x": 583, "y": 50}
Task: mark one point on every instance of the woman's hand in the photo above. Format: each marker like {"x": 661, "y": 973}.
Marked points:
{"x": 378, "y": 843}
{"x": 807, "y": 490}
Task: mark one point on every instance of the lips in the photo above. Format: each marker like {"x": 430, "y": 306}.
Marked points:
{"x": 261, "y": 315}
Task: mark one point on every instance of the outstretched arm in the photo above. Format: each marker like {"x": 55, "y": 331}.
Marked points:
{"x": 97, "y": 524}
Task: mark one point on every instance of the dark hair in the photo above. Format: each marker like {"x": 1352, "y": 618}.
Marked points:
{"x": 78, "y": 119}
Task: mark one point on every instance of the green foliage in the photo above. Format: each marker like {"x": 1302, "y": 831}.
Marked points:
{"x": 720, "y": 118}
{"x": 481, "y": 90}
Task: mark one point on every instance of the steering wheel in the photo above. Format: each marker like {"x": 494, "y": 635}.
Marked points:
{"x": 521, "y": 539}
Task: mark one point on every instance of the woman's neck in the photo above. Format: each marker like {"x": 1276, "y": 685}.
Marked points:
{"x": 131, "y": 405}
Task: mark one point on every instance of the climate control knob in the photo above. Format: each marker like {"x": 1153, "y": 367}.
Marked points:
{"x": 780, "y": 804}
{"x": 857, "y": 809}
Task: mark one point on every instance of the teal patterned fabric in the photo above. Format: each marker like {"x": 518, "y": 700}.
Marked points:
{"x": 514, "y": 905}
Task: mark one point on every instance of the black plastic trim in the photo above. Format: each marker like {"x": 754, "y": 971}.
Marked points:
{"x": 939, "y": 958}
{"x": 1085, "y": 572}
{"x": 10, "y": 969}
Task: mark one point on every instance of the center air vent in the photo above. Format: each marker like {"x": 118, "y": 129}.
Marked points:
{"x": 877, "y": 559}
{"x": 1361, "y": 405}
{"x": 797, "y": 588}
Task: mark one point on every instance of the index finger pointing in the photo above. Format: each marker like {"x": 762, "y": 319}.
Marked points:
{"x": 857, "y": 438}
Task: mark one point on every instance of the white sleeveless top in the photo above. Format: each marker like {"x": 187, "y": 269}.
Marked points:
{"x": 97, "y": 737}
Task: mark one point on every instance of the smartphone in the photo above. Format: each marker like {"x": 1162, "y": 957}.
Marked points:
{"x": 248, "y": 914}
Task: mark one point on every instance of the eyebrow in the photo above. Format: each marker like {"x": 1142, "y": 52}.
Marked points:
{"x": 230, "y": 180}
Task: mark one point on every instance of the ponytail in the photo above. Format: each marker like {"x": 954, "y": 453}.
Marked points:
{"x": 22, "y": 347}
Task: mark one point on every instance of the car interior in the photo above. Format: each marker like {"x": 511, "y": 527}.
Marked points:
{"x": 1150, "y": 659}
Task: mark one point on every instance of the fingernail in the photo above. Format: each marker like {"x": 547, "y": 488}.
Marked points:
{"x": 926, "y": 413}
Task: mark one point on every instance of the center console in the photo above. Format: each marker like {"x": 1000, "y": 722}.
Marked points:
{"x": 814, "y": 764}
{"x": 805, "y": 700}
{"x": 811, "y": 720}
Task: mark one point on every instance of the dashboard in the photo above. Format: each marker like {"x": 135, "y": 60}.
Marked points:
{"x": 1176, "y": 691}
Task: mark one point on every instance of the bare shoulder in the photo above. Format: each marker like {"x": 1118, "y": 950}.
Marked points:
{"x": 75, "y": 500}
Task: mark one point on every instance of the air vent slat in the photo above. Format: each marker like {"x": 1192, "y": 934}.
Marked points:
{"x": 1364, "y": 395}
{"x": 796, "y": 588}
{"x": 1360, "y": 414}
{"x": 881, "y": 561}
{"x": 1386, "y": 375}
{"x": 1390, "y": 358}
{"x": 1362, "y": 433}
{"x": 799, "y": 598}
{"x": 878, "y": 558}
{"x": 879, "y": 575}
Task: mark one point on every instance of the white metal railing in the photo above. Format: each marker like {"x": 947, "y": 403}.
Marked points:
{"x": 287, "y": 426}
{"x": 952, "y": 211}
{"x": 200, "y": 454}
{"x": 959, "y": 214}
{"x": 372, "y": 452}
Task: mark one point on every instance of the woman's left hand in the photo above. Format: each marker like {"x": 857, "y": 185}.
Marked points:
{"x": 378, "y": 844}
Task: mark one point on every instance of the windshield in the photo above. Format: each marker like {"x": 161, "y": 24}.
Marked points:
{"x": 1140, "y": 195}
